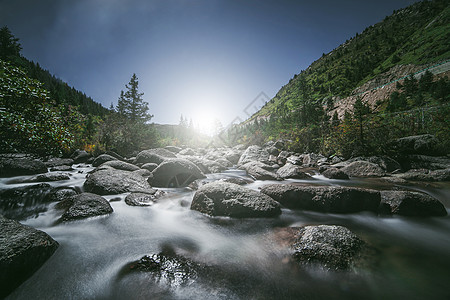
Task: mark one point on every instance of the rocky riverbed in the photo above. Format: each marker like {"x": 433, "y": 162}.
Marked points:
{"x": 255, "y": 222}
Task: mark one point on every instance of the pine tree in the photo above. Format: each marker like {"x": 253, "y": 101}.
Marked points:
{"x": 9, "y": 45}
{"x": 131, "y": 104}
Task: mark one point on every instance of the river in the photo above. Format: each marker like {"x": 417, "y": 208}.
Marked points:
{"x": 414, "y": 253}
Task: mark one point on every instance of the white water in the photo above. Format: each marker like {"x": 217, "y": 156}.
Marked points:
{"x": 414, "y": 253}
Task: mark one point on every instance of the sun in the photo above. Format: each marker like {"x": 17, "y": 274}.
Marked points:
{"x": 207, "y": 121}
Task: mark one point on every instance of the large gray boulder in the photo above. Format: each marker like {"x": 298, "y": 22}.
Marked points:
{"x": 331, "y": 199}
{"x": 260, "y": 171}
{"x": 83, "y": 206}
{"x": 335, "y": 173}
{"x": 23, "y": 250}
{"x": 175, "y": 173}
{"x": 102, "y": 158}
{"x": 292, "y": 171}
{"x": 120, "y": 165}
{"x": 80, "y": 156}
{"x": 425, "y": 175}
{"x": 109, "y": 181}
{"x": 425, "y": 162}
{"x": 425, "y": 144}
{"x": 155, "y": 156}
{"x": 411, "y": 204}
{"x": 229, "y": 199}
{"x": 254, "y": 153}
{"x": 333, "y": 247}
{"x": 363, "y": 169}
{"x": 18, "y": 166}
{"x": 141, "y": 199}
{"x": 56, "y": 162}
{"x": 46, "y": 177}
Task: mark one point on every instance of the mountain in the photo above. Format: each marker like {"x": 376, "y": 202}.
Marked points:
{"x": 417, "y": 36}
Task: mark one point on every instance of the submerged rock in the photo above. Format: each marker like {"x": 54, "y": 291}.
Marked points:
{"x": 141, "y": 199}
{"x": 334, "y": 247}
{"x": 109, "y": 181}
{"x": 23, "y": 250}
{"x": 83, "y": 206}
{"x": 25, "y": 201}
{"x": 175, "y": 173}
{"x": 331, "y": 199}
{"x": 411, "y": 204}
{"x": 17, "y": 166}
{"x": 228, "y": 199}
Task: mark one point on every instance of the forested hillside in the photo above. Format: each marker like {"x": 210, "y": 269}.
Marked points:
{"x": 305, "y": 110}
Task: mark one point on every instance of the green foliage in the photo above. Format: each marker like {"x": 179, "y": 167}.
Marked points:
{"x": 28, "y": 120}
{"x": 9, "y": 45}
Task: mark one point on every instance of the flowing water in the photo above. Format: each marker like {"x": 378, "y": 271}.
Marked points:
{"x": 414, "y": 253}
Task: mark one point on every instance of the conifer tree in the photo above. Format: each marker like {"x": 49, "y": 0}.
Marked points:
{"x": 9, "y": 45}
{"x": 131, "y": 104}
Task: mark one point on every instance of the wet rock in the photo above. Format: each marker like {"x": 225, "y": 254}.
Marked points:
{"x": 47, "y": 177}
{"x": 233, "y": 156}
{"x": 335, "y": 173}
{"x": 254, "y": 153}
{"x": 109, "y": 181}
{"x": 120, "y": 165}
{"x": 295, "y": 160}
{"x": 205, "y": 165}
{"x": 56, "y": 162}
{"x": 141, "y": 199}
{"x": 292, "y": 171}
{"x": 61, "y": 193}
{"x": 273, "y": 150}
{"x": 166, "y": 268}
{"x": 363, "y": 169}
{"x": 408, "y": 203}
{"x": 156, "y": 156}
{"x": 102, "y": 159}
{"x": 224, "y": 162}
{"x": 228, "y": 199}
{"x": 83, "y": 206}
{"x": 23, "y": 250}
{"x": 386, "y": 163}
{"x": 426, "y": 144}
{"x": 311, "y": 159}
{"x": 331, "y": 199}
{"x": 26, "y": 201}
{"x": 17, "y": 166}
{"x": 175, "y": 173}
{"x": 237, "y": 180}
{"x": 80, "y": 156}
{"x": 334, "y": 247}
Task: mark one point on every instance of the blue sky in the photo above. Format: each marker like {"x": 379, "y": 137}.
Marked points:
{"x": 204, "y": 59}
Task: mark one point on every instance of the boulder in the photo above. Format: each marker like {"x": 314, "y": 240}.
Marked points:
{"x": 408, "y": 203}
{"x": 56, "y": 162}
{"x": 237, "y": 180}
{"x": 102, "y": 159}
{"x": 425, "y": 162}
{"x": 187, "y": 151}
{"x": 292, "y": 171}
{"x": 80, "y": 156}
{"x": 333, "y": 247}
{"x": 23, "y": 250}
{"x": 22, "y": 202}
{"x": 363, "y": 169}
{"x": 60, "y": 193}
{"x": 311, "y": 159}
{"x": 120, "y": 165}
{"x": 149, "y": 166}
{"x": 83, "y": 206}
{"x": 156, "y": 156}
{"x": 273, "y": 150}
{"x": 295, "y": 160}
{"x": 425, "y": 175}
{"x": 17, "y": 166}
{"x": 205, "y": 165}
{"x": 109, "y": 181}
{"x": 259, "y": 171}
{"x": 173, "y": 149}
{"x": 62, "y": 168}
{"x": 254, "y": 153}
{"x": 331, "y": 199}
{"x": 175, "y": 173}
{"x": 47, "y": 177}
{"x": 141, "y": 199}
{"x": 228, "y": 199}
{"x": 385, "y": 162}
{"x": 335, "y": 173}
{"x": 233, "y": 156}
{"x": 426, "y": 144}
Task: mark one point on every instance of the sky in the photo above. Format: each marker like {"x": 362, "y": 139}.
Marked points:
{"x": 203, "y": 59}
